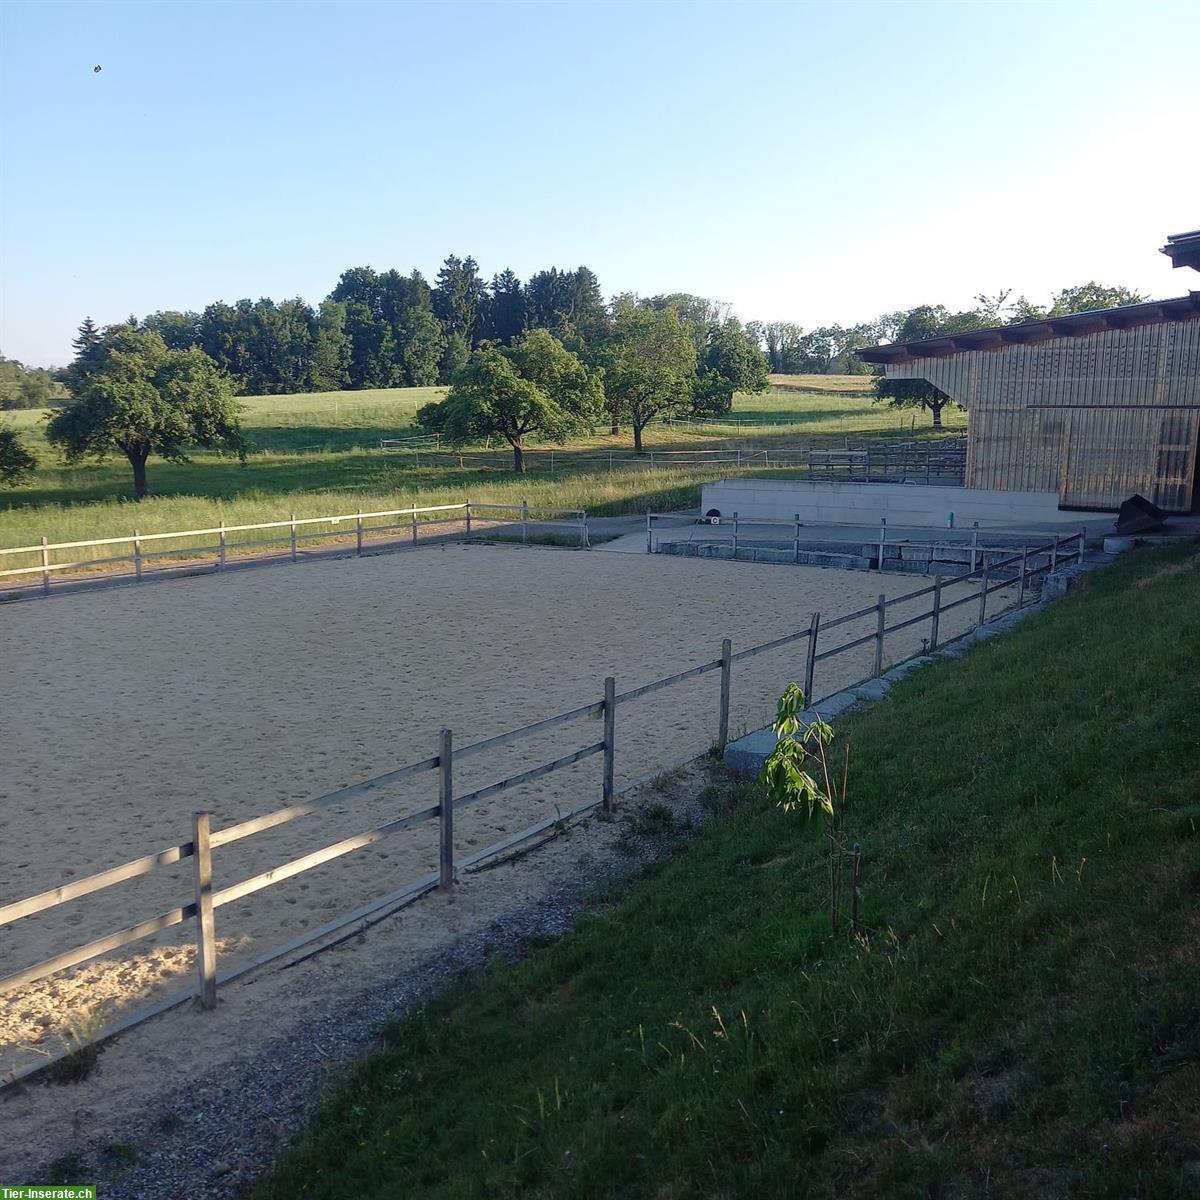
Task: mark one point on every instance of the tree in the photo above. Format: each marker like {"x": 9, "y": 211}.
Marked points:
{"x": 536, "y": 386}
{"x": 26, "y": 387}
{"x": 649, "y": 367}
{"x": 457, "y": 297}
{"x": 731, "y": 362}
{"x": 135, "y": 396}
{"x": 421, "y": 347}
{"x": 912, "y": 393}
{"x": 16, "y": 463}
{"x": 178, "y": 329}
{"x": 1088, "y": 297}
{"x": 331, "y": 349}
{"x": 505, "y": 308}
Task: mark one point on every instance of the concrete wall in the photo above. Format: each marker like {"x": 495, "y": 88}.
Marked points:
{"x": 865, "y": 503}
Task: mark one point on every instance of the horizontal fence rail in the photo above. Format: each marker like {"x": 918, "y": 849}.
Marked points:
{"x": 404, "y": 524}
{"x": 1028, "y": 563}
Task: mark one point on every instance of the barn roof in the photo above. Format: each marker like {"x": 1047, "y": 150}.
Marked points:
{"x": 1183, "y": 249}
{"x": 1075, "y": 325}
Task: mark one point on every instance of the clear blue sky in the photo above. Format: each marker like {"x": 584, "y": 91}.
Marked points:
{"x": 806, "y": 162}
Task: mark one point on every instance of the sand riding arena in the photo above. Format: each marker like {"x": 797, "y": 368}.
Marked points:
{"x": 127, "y": 711}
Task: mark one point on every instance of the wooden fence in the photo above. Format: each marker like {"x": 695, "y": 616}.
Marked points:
{"x": 477, "y": 518}
{"x": 204, "y": 840}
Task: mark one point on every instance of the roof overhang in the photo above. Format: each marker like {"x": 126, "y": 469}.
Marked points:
{"x": 1076, "y": 325}
{"x": 1183, "y": 249}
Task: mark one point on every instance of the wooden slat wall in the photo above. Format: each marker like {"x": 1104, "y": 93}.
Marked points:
{"x": 1095, "y": 418}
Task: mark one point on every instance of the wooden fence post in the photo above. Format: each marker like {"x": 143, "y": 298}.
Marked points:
{"x": 206, "y": 943}
{"x": 137, "y": 557}
{"x": 45, "y": 568}
{"x": 649, "y": 533}
{"x": 1082, "y": 542}
{"x": 524, "y": 522}
{"x": 796, "y": 540}
{"x": 446, "y": 809}
{"x": 468, "y": 518}
{"x": 610, "y": 730}
{"x": 882, "y": 540}
{"x": 937, "y": 612}
{"x": 1054, "y": 556}
{"x": 880, "y": 622}
{"x": 983, "y": 590}
{"x": 292, "y": 534}
{"x": 414, "y": 525}
{"x": 584, "y": 541}
{"x": 221, "y": 547}
{"x": 810, "y": 659}
{"x": 723, "y": 719}
{"x": 735, "y": 531}
{"x": 358, "y": 533}
{"x": 974, "y": 547}
{"x": 1024, "y": 567}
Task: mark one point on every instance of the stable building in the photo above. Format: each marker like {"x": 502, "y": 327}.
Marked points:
{"x": 1094, "y": 407}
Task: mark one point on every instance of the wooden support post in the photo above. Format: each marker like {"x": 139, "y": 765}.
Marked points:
{"x": 796, "y": 541}
{"x": 221, "y": 547}
{"x": 137, "y": 557}
{"x": 649, "y": 533}
{"x": 414, "y": 526}
{"x": 524, "y": 522}
{"x": 468, "y": 518}
{"x": 735, "y": 532}
{"x": 723, "y": 717}
{"x": 45, "y": 568}
{"x": 446, "y": 810}
{"x": 936, "y": 613}
{"x": 1082, "y": 542}
{"x": 1054, "y": 556}
{"x": 584, "y": 541}
{"x": 880, "y": 622}
{"x": 882, "y": 540}
{"x": 610, "y": 730}
{"x": 206, "y": 939}
{"x": 810, "y": 661}
{"x": 358, "y": 533}
{"x": 1021, "y": 582}
{"x": 983, "y": 590}
{"x": 292, "y": 534}
{"x": 974, "y": 547}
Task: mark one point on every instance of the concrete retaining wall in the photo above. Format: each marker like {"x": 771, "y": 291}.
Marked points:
{"x": 867, "y": 503}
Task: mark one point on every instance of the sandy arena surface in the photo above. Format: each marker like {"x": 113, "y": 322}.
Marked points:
{"x": 128, "y": 710}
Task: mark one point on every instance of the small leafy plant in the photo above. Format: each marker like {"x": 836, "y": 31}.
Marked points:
{"x": 800, "y": 775}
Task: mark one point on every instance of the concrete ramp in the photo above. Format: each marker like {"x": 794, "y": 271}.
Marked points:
{"x": 912, "y": 505}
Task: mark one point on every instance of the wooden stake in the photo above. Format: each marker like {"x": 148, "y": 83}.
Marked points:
{"x": 937, "y": 612}
{"x": 983, "y": 591}
{"x": 610, "y": 731}
{"x": 810, "y": 662}
{"x": 45, "y": 568}
{"x": 880, "y": 622}
{"x": 358, "y": 533}
{"x": 292, "y": 535}
{"x": 446, "y": 809}
{"x": 723, "y": 718}
{"x": 206, "y": 938}
{"x": 137, "y": 557}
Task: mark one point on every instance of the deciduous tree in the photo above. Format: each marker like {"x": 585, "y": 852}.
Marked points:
{"x": 16, "y": 463}
{"x": 535, "y": 387}
{"x": 134, "y": 396}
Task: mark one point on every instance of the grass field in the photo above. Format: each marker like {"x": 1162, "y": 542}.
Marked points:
{"x": 1017, "y": 1018}
{"x": 313, "y": 453}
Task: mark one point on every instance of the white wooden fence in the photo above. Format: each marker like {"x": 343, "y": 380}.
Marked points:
{"x": 404, "y": 525}
{"x": 204, "y": 840}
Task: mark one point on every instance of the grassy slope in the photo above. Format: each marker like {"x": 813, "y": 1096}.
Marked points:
{"x": 1021, "y": 1018}
{"x": 310, "y": 459}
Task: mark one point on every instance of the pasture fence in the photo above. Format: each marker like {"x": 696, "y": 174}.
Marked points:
{"x": 376, "y": 530}
{"x": 199, "y": 847}
{"x": 942, "y": 461}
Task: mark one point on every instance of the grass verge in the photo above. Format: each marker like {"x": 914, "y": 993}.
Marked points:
{"x": 1018, "y": 1018}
